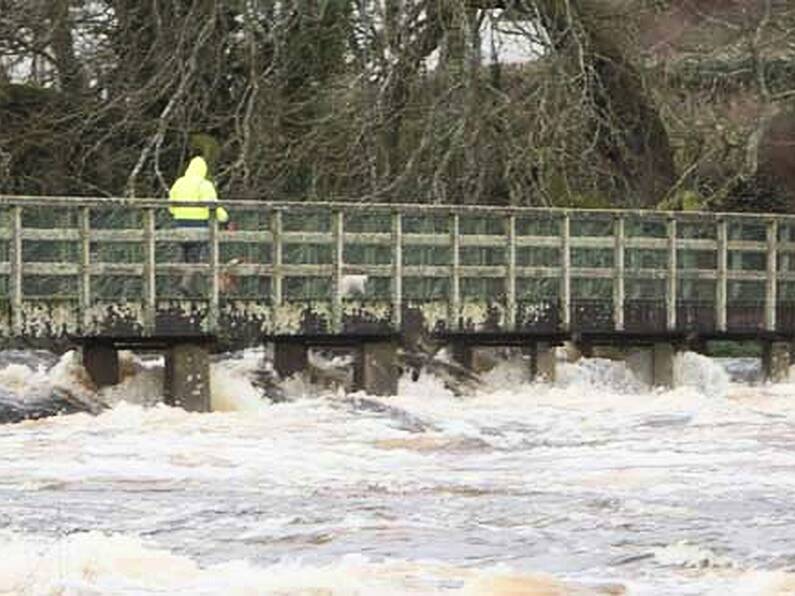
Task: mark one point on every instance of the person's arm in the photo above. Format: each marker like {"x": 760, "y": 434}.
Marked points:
{"x": 209, "y": 194}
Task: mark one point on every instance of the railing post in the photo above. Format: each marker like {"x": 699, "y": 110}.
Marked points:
{"x": 15, "y": 280}
{"x": 565, "y": 271}
{"x": 454, "y": 306}
{"x": 671, "y": 277}
{"x": 84, "y": 297}
{"x": 772, "y": 273}
{"x": 276, "y": 257}
{"x": 215, "y": 288}
{"x": 618, "y": 275}
{"x": 397, "y": 270}
{"x": 150, "y": 272}
{"x": 721, "y": 284}
{"x": 338, "y": 233}
{"x": 510, "y": 280}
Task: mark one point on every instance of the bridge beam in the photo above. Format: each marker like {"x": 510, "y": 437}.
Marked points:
{"x": 187, "y": 377}
{"x": 776, "y": 361}
{"x": 101, "y": 361}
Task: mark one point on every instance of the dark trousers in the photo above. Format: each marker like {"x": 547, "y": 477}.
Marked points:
{"x": 192, "y": 252}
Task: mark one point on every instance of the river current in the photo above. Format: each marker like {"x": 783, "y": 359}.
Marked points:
{"x": 593, "y": 485}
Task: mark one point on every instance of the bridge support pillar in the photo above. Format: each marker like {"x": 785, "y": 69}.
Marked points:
{"x": 587, "y": 350}
{"x": 653, "y": 365}
{"x": 463, "y": 354}
{"x": 475, "y": 358}
{"x": 776, "y": 361}
{"x": 101, "y": 361}
{"x": 376, "y": 371}
{"x": 187, "y": 377}
{"x": 290, "y": 358}
{"x": 663, "y": 357}
{"x": 542, "y": 362}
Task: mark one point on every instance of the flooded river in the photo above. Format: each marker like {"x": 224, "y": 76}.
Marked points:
{"x": 592, "y": 486}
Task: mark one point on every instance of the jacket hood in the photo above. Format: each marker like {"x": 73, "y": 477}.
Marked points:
{"x": 197, "y": 168}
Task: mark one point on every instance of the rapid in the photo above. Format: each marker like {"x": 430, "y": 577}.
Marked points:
{"x": 592, "y": 485}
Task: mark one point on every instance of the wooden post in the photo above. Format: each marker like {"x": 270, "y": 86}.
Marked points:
{"x": 397, "y": 270}
{"x": 150, "y": 278}
{"x": 215, "y": 292}
{"x": 15, "y": 280}
{"x": 510, "y": 279}
{"x": 276, "y": 258}
{"x": 338, "y": 231}
{"x": 454, "y": 305}
{"x": 721, "y": 284}
{"x": 772, "y": 274}
{"x": 84, "y": 300}
{"x": 565, "y": 277}
{"x": 671, "y": 277}
{"x": 618, "y": 275}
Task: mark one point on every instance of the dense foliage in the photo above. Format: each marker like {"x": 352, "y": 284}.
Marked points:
{"x": 672, "y": 103}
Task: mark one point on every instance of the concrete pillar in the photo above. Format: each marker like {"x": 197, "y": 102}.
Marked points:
{"x": 776, "y": 361}
{"x": 187, "y": 377}
{"x": 478, "y": 359}
{"x": 542, "y": 362}
{"x": 653, "y": 366}
{"x": 641, "y": 362}
{"x": 608, "y": 352}
{"x": 663, "y": 355}
{"x": 376, "y": 368}
{"x": 463, "y": 354}
{"x": 101, "y": 361}
{"x": 290, "y": 358}
{"x": 586, "y": 349}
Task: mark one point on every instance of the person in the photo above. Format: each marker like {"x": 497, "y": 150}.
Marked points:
{"x": 193, "y": 186}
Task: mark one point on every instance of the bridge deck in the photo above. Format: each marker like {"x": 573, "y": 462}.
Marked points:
{"x": 111, "y": 267}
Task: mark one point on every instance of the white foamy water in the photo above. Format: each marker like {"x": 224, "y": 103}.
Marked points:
{"x": 594, "y": 485}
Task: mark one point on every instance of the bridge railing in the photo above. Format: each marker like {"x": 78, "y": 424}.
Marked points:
{"x": 93, "y": 266}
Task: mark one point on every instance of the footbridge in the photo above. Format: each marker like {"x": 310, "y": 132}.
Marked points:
{"x": 105, "y": 273}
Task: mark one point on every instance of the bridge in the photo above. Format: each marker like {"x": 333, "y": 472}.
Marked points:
{"x": 104, "y": 273}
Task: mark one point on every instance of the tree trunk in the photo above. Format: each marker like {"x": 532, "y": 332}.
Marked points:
{"x": 69, "y": 70}
{"x": 628, "y": 130}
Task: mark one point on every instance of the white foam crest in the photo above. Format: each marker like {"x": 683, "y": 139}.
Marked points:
{"x": 691, "y": 556}
{"x": 508, "y": 373}
{"x": 20, "y": 379}
{"x": 761, "y": 583}
{"x": 598, "y": 373}
{"x": 95, "y": 563}
{"x": 232, "y": 391}
{"x": 69, "y": 373}
{"x": 427, "y": 386}
{"x": 142, "y": 385}
{"x": 701, "y": 373}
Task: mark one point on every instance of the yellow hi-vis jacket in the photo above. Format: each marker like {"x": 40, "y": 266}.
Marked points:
{"x": 194, "y": 186}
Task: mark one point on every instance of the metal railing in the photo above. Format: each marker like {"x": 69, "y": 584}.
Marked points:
{"x": 458, "y": 266}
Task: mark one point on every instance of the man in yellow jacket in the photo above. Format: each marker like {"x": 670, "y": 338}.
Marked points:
{"x": 193, "y": 186}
